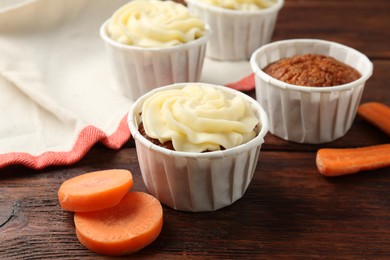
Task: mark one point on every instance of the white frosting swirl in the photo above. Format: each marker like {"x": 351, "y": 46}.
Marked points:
{"x": 199, "y": 118}
{"x": 242, "y": 5}
{"x": 154, "y": 23}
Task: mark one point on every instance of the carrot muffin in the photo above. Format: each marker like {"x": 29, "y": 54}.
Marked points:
{"x": 309, "y": 88}
{"x": 152, "y": 43}
{"x": 244, "y": 5}
{"x": 154, "y": 23}
{"x": 197, "y": 118}
{"x": 239, "y": 26}
{"x": 312, "y": 70}
{"x": 167, "y": 145}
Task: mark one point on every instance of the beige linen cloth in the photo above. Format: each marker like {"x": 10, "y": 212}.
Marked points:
{"x": 56, "y": 87}
{"x": 55, "y": 84}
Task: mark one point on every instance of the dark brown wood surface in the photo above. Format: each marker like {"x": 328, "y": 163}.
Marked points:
{"x": 289, "y": 209}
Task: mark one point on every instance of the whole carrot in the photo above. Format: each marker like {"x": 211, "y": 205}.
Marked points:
{"x": 341, "y": 161}
{"x": 377, "y": 114}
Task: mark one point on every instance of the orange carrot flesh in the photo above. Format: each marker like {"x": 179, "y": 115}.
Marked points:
{"x": 377, "y": 114}
{"x": 123, "y": 229}
{"x": 341, "y": 161}
{"x": 95, "y": 190}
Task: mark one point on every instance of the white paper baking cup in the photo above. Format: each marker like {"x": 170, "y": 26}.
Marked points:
{"x": 236, "y": 34}
{"x": 197, "y": 181}
{"x": 309, "y": 114}
{"x": 138, "y": 70}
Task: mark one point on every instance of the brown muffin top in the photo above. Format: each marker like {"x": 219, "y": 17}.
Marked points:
{"x": 167, "y": 145}
{"x": 312, "y": 70}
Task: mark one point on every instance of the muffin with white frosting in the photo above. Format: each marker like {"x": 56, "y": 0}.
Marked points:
{"x": 152, "y": 43}
{"x": 243, "y": 5}
{"x": 198, "y": 118}
{"x": 239, "y": 26}
{"x": 214, "y": 135}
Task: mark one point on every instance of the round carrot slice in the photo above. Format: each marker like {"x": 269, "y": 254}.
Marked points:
{"x": 95, "y": 190}
{"x": 123, "y": 229}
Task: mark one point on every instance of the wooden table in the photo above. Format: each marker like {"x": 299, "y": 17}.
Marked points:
{"x": 289, "y": 209}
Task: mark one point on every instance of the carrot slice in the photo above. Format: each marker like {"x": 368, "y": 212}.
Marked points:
{"x": 377, "y": 114}
{"x": 340, "y": 161}
{"x": 95, "y": 190}
{"x": 123, "y": 229}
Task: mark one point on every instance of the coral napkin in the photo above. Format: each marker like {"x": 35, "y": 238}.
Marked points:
{"x": 56, "y": 95}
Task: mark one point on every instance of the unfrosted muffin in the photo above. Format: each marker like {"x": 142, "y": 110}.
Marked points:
{"x": 307, "y": 114}
{"x": 151, "y": 43}
{"x": 199, "y": 119}
{"x": 312, "y": 70}
{"x": 239, "y": 26}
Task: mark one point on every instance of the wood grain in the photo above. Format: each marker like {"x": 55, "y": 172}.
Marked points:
{"x": 288, "y": 206}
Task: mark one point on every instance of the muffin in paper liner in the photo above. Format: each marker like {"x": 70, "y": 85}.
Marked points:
{"x": 236, "y": 34}
{"x": 190, "y": 181}
{"x": 137, "y": 70}
{"x": 309, "y": 114}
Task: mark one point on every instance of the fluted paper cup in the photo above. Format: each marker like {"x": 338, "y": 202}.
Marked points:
{"x": 236, "y": 34}
{"x": 195, "y": 182}
{"x": 138, "y": 70}
{"x": 309, "y": 114}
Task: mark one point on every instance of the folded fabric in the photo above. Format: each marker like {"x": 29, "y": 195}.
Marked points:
{"x": 56, "y": 97}
{"x": 56, "y": 88}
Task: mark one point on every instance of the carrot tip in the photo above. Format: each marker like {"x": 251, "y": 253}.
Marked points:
{"x": 342, "y": 161}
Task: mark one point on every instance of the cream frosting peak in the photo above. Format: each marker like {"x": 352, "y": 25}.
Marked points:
{"x": 154, "y": 23}
{"x": 199, "y": 118}
{"x": 243, "y": 5}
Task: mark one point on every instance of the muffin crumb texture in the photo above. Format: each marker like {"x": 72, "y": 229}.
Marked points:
{"x": 312, "y": 70}
{"x": 167, "y": 144}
